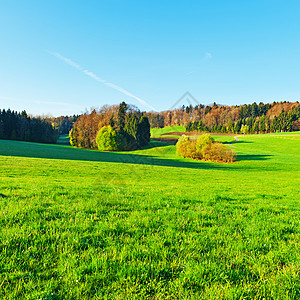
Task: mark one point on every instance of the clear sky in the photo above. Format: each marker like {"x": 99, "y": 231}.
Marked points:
{"x": 62, "y": 56}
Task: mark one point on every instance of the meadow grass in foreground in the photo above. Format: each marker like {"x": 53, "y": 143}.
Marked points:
{"x": 148, "y": 224}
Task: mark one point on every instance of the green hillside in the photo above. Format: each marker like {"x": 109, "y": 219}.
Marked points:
{"x": 158, "y": 132}
{"x": 147, "y": 224}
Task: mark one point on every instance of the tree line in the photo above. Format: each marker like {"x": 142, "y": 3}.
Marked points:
{"x": 122, "y": 127}
{"x": 251, "y": 118}
{"x": 132, "y": 127}
{"x": 63, "y": 123}
{"x": 22, "y": 127}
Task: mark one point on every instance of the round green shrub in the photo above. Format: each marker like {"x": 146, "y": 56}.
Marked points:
{"x": 108, "y": 140}
{"x": 204, "y": 140}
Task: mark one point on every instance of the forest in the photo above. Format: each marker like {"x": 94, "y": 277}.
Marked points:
{"x": 248, "y": 118}
{"x": 22, "y": 127}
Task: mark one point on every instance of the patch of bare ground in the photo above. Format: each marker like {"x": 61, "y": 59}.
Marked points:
{"x": 235, "y": 140}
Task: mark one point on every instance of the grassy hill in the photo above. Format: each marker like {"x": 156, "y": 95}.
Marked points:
{"x": 158, "y": 132}
{"x": 148, "y": 224}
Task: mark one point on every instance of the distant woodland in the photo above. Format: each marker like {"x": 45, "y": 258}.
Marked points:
{"x": 251, "y": 118}
{"x": 22, "y": 127}
{"x": 133, "y": 125}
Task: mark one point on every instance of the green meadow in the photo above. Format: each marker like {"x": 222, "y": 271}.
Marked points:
{"x": 158, "y": 132}
{"x": 147, "y": 224}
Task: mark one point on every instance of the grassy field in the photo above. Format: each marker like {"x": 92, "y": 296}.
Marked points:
{"x": 158, "y": 132}
{"x": 80, "y": 224}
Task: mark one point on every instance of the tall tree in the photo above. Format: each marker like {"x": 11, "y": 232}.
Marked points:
{"x": 121, "y": 117}
{"x": 143, "y": 132}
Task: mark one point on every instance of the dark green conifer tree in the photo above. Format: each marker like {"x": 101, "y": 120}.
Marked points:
{"x": 143, "y": 132}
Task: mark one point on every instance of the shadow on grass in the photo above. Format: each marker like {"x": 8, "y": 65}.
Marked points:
{"x": 237, "y": 142}
{"x": 63, "y": 140}
{"x": 154, "y": 144}
{"x": 35, "y": 150}
{"x": 253, "y": 157}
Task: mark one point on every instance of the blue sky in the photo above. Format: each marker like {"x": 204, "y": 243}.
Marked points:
{"x": 61, "y": 57}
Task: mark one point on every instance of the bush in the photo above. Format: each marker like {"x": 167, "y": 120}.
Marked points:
{"x": 108, "y": 140}
{"x": 217, "y": 152}
{"x": 204, "y": 140}
{"x": 183, "y": 139}
{"x": 204, "y": 148}
{"x": 187, "y": 148}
